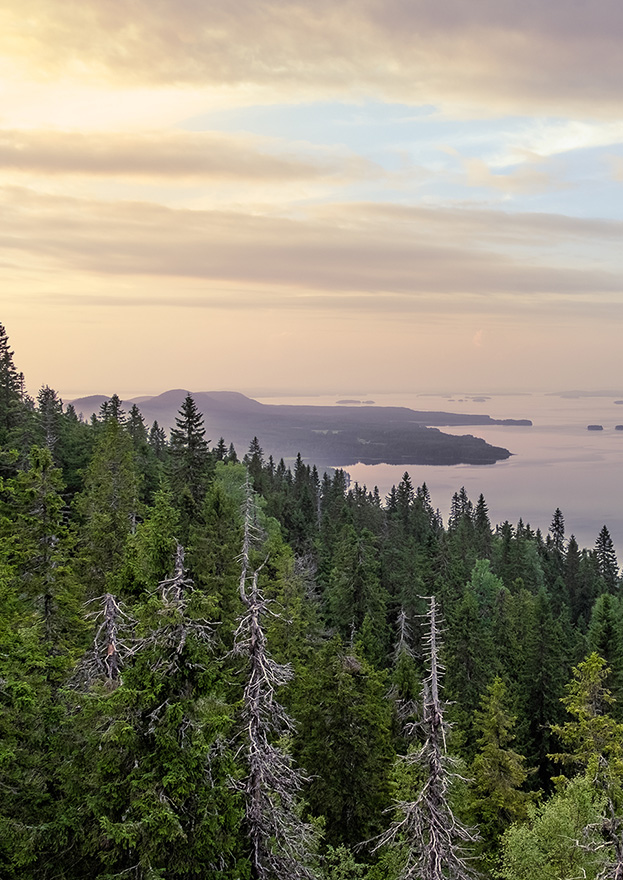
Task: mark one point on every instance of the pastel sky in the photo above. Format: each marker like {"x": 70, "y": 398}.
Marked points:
{"x": 332, "y": 196}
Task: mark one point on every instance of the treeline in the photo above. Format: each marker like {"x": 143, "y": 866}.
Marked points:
{"x": 211, "y": 667}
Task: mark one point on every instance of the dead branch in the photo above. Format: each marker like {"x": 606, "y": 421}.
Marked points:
{"x": 282, "y": 844}
{"x": 426, "y": 829}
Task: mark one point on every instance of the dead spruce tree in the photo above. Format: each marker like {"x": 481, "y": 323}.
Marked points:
{"x": 111, "y": 647}
{"x": 153, "y": 793}
{"x": 283, "y": 846}
{"x": 426, "y": 832}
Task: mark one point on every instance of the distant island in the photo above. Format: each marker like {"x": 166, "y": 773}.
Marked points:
{"x": 355, "y": 402}
{"x": 329, "y": 436}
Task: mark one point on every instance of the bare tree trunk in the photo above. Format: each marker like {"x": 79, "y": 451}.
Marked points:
{"x": 426, "y": 829}
{"x": 105, "y": 659}
{"x": 282, "y": 845}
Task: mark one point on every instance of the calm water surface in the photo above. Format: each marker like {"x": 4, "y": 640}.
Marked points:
{"x": 555, "y": 463}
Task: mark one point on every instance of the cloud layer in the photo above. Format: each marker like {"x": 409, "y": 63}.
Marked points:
{"x": 364, "y": 248}
{"x": 181, "y": 155}
{"x": 374, "y": 189}
{"x": 490, "y": 54}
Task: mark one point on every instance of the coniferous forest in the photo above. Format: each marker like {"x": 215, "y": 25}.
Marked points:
{"x": 215, "y": 665}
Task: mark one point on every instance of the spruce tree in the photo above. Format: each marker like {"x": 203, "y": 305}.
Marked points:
{"x": 108, "y": 506}
{"x": 146, "y": 785}
{"x": 498, "y": 772}
{"x": 607, "y": 560}
{"x": 189, "y": 462}
{"x": 9, "y": 387}
{"x": 344, "y": 741}
{"x": 426, "y": 833}
{"x": 282, "y": 845}
{"x": 594, "y": 742}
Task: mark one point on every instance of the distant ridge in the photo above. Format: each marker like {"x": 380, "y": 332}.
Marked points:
{"x": 325, "y": 435}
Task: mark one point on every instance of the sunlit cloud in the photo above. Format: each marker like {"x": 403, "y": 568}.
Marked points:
{"x": 182, "y": 155}
{"x": 364, "y": 248}
{"x": 399, "y": 182}
{"x": 524, "y": 179}
{"x": 489, "y": 55}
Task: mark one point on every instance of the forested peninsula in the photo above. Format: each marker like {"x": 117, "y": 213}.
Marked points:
{"x": 328, "y": 436}
{"x": 215, "y": 665}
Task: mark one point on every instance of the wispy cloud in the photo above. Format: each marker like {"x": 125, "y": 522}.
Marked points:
{"x": 312, "y": 173}
{"x": 180, "y": 155}
{"x": 489, "y": 54}
{"x": 522, "y": 179}
{"x": 368, "y": 249}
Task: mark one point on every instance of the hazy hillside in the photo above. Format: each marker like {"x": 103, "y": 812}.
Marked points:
{"x": 326, "y": 435}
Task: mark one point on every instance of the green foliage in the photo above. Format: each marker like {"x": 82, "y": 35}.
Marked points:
{"x": 594, "y": 739}
{"x": 497, "y": 771}
{"x": 107, "y": 772}
{"x": 108, "y": 506}
{"x": 146, "y": 780}
{"x": 339, "y": 864}
{"x": 150, "y": 550}
{"x": 339, "y": 700}
{"x": 355, "y": 590}
{"x": 546, "y": 847}
{"x": 190, "y": 462}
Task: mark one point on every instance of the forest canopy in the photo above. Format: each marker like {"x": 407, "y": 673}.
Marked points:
{"x": 214, "y": 664}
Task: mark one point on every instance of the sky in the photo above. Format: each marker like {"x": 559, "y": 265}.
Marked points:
{"x": 337, "y": 196}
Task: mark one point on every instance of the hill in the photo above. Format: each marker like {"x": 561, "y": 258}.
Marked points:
{"x": 333, "y": 436}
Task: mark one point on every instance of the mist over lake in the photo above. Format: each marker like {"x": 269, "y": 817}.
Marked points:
{"x": 555, "y": 463}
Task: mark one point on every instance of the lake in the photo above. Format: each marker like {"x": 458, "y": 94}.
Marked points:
{"x": 555, "y": 463}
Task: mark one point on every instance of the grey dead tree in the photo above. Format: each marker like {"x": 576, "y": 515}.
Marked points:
{"x": 163, "y": 645}
{"x": 115, "y": 640}
{"x": 283, "y": 846}
{"x": 112, "y": 643}
{"x": 403, "y": 661}
{"x": 426, "y": 830}
{"x": 175, "y": 623}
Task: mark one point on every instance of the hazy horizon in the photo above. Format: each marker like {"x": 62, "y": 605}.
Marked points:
{"x": 269, "y": 393}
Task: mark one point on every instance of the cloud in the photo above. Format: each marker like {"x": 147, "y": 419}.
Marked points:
{"x": 497, "y": 55}
{"x": 179, "y": 155}
{"x": 616, "y": 164}
{"x": 526, "y": 179}
{"x": 380, "y": 255}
